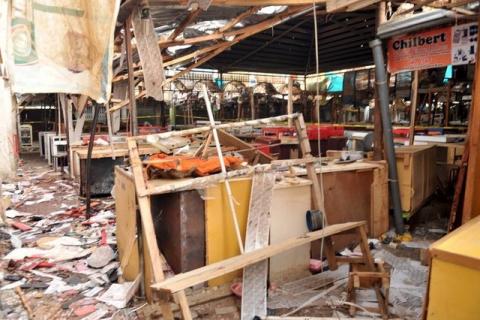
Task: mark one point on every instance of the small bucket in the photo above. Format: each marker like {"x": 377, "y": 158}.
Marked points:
{"x": 314, "y": 220}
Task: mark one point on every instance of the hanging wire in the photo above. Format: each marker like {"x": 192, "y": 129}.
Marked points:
{"x": 317, "y": 109}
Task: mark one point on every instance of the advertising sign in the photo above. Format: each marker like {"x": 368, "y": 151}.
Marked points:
{"x": 433, "y": 48}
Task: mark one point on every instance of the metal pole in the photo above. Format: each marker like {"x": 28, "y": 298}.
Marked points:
{"x": 382, "y": 93}
{"x": 88, "y": 173}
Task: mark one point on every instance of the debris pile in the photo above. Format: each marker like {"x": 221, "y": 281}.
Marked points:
{"x": 53, "y": 259}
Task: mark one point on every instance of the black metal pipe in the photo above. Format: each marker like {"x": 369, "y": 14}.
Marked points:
{"x": 88, "y": 177}
{"x": 383, "y": 98}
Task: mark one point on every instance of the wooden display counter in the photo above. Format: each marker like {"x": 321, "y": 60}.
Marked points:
{"x": 104, "y": 159}
{"x": 417, "y": 175}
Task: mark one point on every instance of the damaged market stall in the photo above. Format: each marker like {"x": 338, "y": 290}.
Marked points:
{"x": 151, "y": 188}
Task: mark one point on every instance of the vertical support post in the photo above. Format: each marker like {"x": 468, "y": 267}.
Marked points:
{"x": 131, "y": 83}
{"x": 413, "y": 108}
{"x": 382, "y": 90}
{"x": 430, "y": 107}
{"x": 447, "y": 106}
{"x": 109, "y": 125}
{"x": 290, "y": 100}
{"x": 377, "y": 116}
{"x": 88, "y": 173}
{"x": 252, "y": 103}
{"x": 471, "y": 206}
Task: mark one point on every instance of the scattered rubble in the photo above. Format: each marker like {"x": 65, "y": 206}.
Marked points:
{"x": 53, "y": 260}
{"x": 59, "y": 264}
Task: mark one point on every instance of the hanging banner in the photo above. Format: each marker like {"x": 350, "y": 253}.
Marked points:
{"x": 62, "y": 46}
{"x": 432, "y": 49}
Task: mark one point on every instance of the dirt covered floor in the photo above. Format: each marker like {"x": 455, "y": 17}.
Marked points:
{"x": 55, "y": 263}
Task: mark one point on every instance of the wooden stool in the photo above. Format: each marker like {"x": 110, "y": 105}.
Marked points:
{"x": 379, "y": 280}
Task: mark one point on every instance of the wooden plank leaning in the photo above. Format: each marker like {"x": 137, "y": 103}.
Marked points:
{"x": 149, "y": 231}
{"x": 317, "y": 193}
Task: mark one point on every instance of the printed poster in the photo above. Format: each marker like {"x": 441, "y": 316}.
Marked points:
{"x": 433, "y": 48}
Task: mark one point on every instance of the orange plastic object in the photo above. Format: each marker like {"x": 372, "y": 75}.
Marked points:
{"x": 201, "y": 167}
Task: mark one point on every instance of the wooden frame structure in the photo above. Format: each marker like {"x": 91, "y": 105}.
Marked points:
{"x": 145, "y": 189}
{"x": 205, "y": 54}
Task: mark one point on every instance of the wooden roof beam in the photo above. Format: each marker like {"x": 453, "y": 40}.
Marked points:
{"x": 226, "y": 34}
{"x": 230, "y": 24}
{"x": 212, "y": 51}
{"x": 192, "y": 15}
{"x": 251, "y": 30}
{"x": 245, "y": 3}
{"x": 266, "y": 44}
{"x": 348, "y": 5}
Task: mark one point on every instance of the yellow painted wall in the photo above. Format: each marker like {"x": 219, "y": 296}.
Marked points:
{"x": 221, "y": 241}
{"x": 454, "y": 292}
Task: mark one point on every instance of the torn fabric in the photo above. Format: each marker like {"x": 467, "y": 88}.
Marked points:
{"x": 68, "y": 44}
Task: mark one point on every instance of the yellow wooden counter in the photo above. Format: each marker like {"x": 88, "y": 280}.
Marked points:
{"x": 454, "y": 288}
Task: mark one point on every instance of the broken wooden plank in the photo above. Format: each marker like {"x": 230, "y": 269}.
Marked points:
{"x": 233, "y": 210}
{"x": 239, "y": 124}
{"x": 200, "y": 275}
{"x": 290, "y": 99}
{"x": 230, "y": 24}
{"x": 150, "y": 55}
{"x": 126, "y": 102}
{"x": 254, "y": 292}
{"x": 247, "y": 151}
{"x": 239, "y": 35}
{"x": 320, "y": 318}
{"x": 192, "y": 15}
{"x": 131, "y": 84}
{"x": 149, "y": 232}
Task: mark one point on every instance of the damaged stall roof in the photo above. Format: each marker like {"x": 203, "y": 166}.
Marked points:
{"x": 194, "y": 34}
{"x": 277, "y": 41}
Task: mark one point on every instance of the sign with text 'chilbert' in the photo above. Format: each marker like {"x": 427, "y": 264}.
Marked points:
{"x": 434, "y": 48}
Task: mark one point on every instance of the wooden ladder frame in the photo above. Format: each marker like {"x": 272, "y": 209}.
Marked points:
{"x": 144, "y": 194}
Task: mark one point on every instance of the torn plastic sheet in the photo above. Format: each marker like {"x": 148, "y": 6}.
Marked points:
{"x": 76, "y": 60}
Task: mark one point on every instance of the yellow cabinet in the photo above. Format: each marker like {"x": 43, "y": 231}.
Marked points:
{"x": 454, "y": 288}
